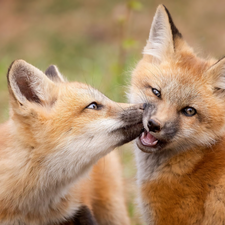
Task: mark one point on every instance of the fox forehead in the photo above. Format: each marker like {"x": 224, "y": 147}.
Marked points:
{"x": 180, "y": 82}
{"x": 82, "y": 93}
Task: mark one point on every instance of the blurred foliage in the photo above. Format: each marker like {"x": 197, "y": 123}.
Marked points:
{"x": 99, "y": 42}
{"x": 135, "y": 5}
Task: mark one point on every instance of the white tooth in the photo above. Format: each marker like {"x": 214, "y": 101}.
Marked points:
{"x": 155, "y": 142}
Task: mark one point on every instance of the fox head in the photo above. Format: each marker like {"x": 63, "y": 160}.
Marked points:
{"x": 71, "y": 123}
{"x": 57, "y": 131}
{"x": 184, "y": 93}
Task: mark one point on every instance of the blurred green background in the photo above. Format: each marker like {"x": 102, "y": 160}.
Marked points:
{"x": 99, "y": 42}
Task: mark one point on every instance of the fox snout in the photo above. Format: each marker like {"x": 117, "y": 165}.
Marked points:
{"x": 133, "y": 114}
{"x": 160, "y": 127}
{"x": 162, "y": 121}
{"x": 131, "y": 122}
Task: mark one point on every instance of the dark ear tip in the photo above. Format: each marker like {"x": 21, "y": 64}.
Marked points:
{"x": 52, "y": 69}
{"x": 167, "y": 12}
{"x": 53, "y": 73}
{"x": 175, "y": 31}
{"x": 164, "y": 7}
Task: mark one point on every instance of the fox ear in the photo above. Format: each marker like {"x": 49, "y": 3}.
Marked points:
{"x": 53, "y": 73}
{"x": 162, "y": 36}
{"x": 217, "y": 73}
{"x": 26, "y": 84}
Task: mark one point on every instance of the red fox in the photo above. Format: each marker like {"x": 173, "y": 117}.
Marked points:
{"x": 180, "y": 155}
{"x": 57, "y": 131}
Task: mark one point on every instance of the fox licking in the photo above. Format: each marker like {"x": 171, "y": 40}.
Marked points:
{"x": 51, "y": 148}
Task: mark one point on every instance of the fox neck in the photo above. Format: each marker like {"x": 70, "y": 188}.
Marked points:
{"x": 43, "y": 180}
{"x": 168, "y": 164}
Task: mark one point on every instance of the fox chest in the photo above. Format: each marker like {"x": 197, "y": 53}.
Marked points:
{"x": 172, "y": 202}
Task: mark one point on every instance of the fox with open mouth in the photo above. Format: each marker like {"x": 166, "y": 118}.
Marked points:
{"x": 180, "y": 154}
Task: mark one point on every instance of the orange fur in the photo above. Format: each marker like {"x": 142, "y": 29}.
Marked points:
{"x": 50, "y": 147}
{"x": 182, "y": 163}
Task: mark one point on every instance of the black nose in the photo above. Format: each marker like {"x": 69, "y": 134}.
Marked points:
{"x": 153, "y": 126}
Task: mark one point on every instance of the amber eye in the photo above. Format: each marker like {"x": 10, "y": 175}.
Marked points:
{"x": 189, "y": 111}
{"x": 156, "y": 92}
{"x": 93, "y": 105}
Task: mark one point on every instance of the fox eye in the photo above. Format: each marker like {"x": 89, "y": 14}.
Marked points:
{"x": 189, "y": 111}
{"x": 156, "y": 92}
{"x": 93, "y": 105}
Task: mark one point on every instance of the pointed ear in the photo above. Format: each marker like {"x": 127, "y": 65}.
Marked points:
{"x": 53, "y": 73}
{"x": 216, "y": 73}
{"x": 162, "y": 36}
{"x": 26, "y": 84}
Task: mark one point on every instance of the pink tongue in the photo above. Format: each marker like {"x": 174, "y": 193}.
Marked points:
{"x": 147, "y": 139}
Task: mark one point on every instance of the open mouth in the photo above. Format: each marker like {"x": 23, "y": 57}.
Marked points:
{"x": 148, "y": 143}
{"x": 147, "y": 139}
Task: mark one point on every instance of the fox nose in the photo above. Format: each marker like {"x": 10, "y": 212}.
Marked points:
{"x": 154, "y": 126}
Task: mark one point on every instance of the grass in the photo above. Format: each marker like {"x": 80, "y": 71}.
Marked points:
{"x": 83, "y": 38}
